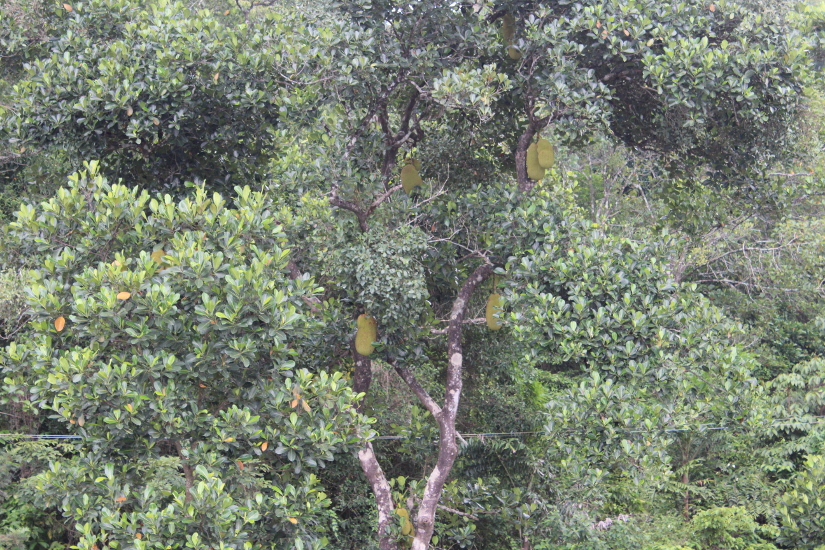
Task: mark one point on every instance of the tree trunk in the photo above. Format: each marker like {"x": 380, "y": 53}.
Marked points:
{"x": 447, "y": 447}
{"x": 361, "y": 382}
{"x": 383, "y": 495}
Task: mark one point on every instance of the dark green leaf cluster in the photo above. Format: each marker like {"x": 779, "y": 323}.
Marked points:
{"x": 164, "y": 334}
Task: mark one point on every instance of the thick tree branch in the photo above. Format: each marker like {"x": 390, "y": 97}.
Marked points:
{"x": 361, "y": 382}
{"x": 383, "y": 495}
{"x": 447, "y": 446}
{"x": 380, "y": 102}
{"x": 362, "y": 378}
{"x": 404, "y": 128}
{"x": 188, "y": 472}
{"x": 377, "y": 202}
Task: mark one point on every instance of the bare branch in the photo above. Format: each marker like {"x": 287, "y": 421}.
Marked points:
{"x": 419, "y": 391}
{"x": 458, "y": 513}
{"x": 377, "y": 202}
{"x": 476, "y": 321}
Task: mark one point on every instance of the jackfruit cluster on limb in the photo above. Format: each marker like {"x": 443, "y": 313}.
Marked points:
{"x": 366, "y": 335}
{"x": 541, "y": 155}
{"x": 409, "y": 175}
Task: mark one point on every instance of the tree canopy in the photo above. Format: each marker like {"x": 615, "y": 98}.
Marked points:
{"x": 304, "y": 248}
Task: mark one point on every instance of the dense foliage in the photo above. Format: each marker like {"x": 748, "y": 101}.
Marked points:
{"x": 206, "y": 215}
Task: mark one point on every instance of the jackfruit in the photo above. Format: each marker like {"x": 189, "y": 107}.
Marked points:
{"x": 534, "y": 169}
{"x": 493, "y": 307}
{"x": 407, "y": 528}
{"x": 508, "y": 27}
{"x": 366, "y": 335}
{"x": 546, "y": 152}
{"x": 514, "y": 53}
{"x": 410, "y": 178}
{"x": 414, "y": 162}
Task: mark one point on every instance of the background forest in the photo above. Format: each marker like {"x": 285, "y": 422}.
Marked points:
{"x": 425, "y": 274}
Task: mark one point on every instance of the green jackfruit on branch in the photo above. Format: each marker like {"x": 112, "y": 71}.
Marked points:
{"x": 508, "y": 34}
{"x": 366, "y": 335}
{"x": 546, "y": 153}
{"x": 508, "y": 27}
{"x": 493, "y": 308}
{"x": 410, "y": 178}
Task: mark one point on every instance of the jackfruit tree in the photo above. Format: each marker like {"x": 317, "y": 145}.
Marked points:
{"x": 686, "y": 81}
{"x": 483, "y": 262}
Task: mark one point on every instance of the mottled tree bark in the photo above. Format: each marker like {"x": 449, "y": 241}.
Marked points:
{"x": 447, "y": 446}
{"x": 361, "y": 382}
{"x": 525, "y": 184}
{"x": 382, "y": 492}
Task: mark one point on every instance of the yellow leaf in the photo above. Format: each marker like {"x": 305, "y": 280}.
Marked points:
{"x": 264, "y": 445}
{"x": 155, "y": 121}
{"x": 292, "y": 520}
{"x": 81, "y": 420}
{"x": 305, "y": 405}
{"x": 712, "y": 7}
{"x": 215, "y": 78}
{"x": 138, "y": 536}
{"x": 129, "y": 407}
{"x": 129, "y": 111}
{"x": 59, "y": 323}
{"x": 649, "y": 42}
{"x": 229, "y": 440}
{"x": 121, "y": 499}
{"x": 158, "y": 255}
{"x": 124, "y": 295}
{"x": 226, "y": 12}
{"x": 293, "y": 403}
{"x": 72, "y": 421}
{"x": 67, "y": 7}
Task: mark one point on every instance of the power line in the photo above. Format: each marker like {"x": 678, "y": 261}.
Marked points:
{"x": 813, "y": 420}
{"x": 40, "y": 436}
{"x": 707, "y": 427}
